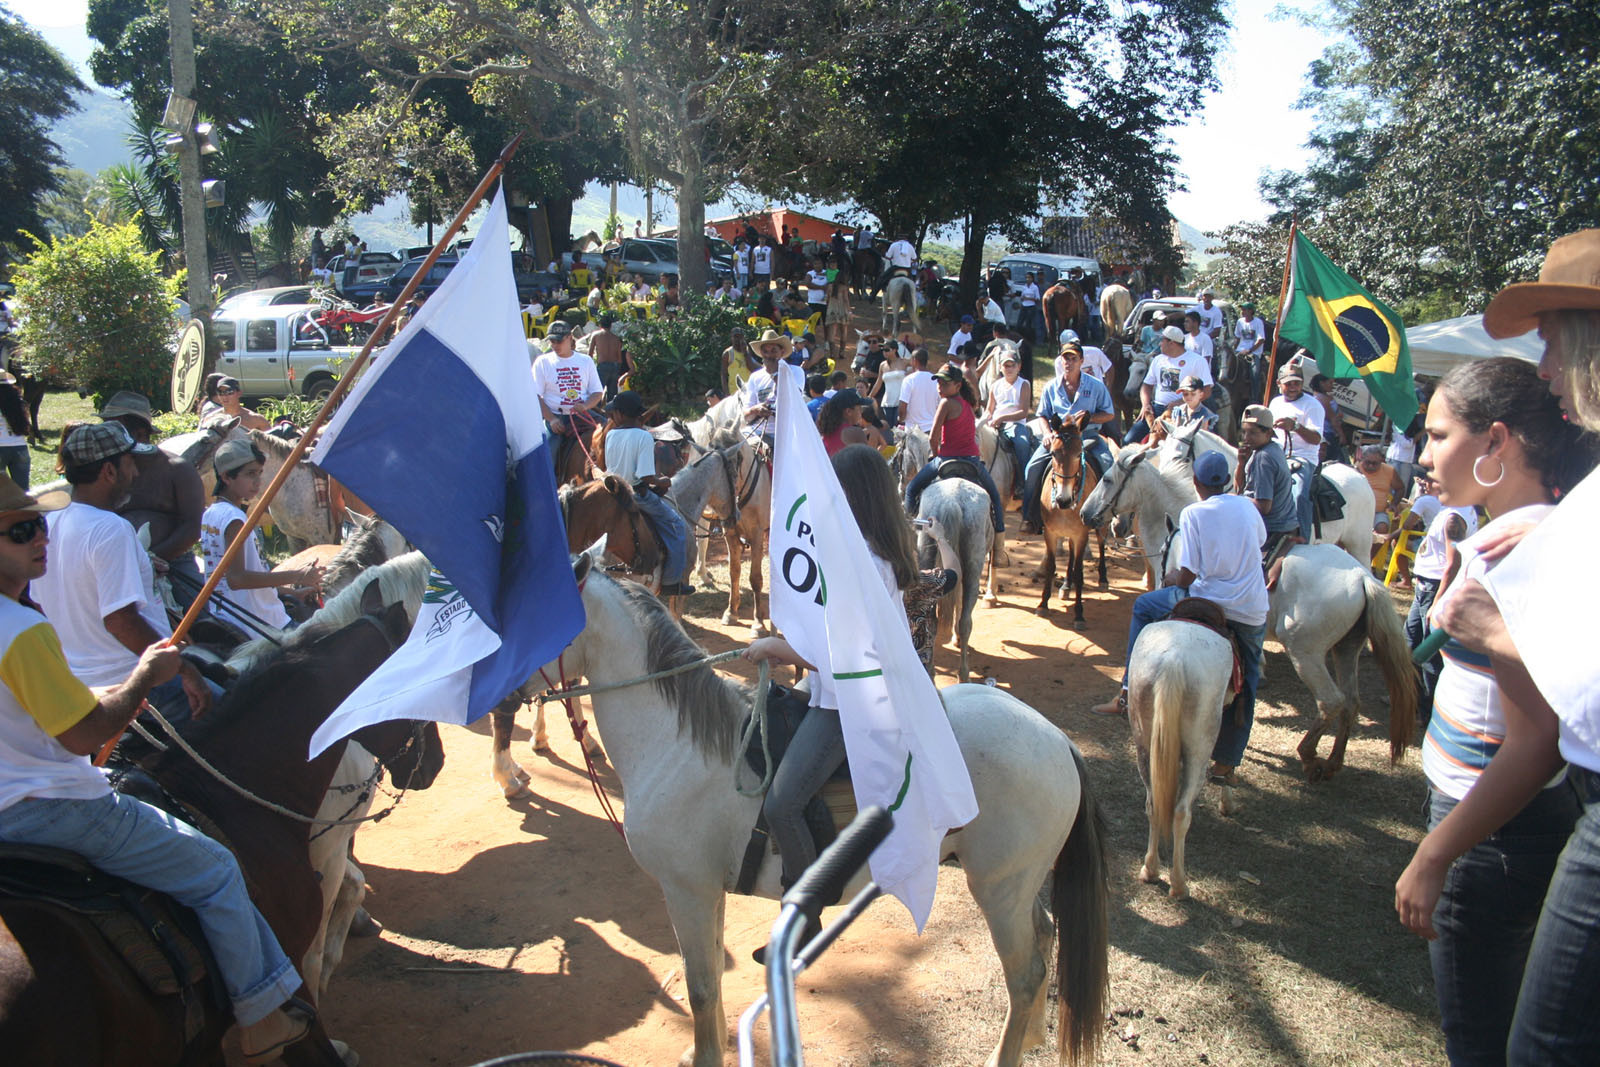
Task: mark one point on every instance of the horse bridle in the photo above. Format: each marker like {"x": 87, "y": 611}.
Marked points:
{"x": 1116, "y": 492}
{"x": 1065, "y": 476}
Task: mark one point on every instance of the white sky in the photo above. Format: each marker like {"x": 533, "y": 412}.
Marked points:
{"x": 1248, "y": 125}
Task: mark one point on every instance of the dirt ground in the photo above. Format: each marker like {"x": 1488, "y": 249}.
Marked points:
{"x": 524, "y": 925}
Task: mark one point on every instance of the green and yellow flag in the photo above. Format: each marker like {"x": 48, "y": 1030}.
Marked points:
{"x": 1351, "y": 333}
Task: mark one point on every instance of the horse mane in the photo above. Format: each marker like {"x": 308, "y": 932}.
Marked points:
{"x": 263, "y": 680}
{"x": 364, "y": 550}
{"x": 400, "y": 579}
{"x": 267, "y": 442}
{"x": 710, "y": 707}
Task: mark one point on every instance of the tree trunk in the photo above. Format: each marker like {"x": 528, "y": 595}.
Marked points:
{"x": 559, "y": 212}
{"x": 191, "y": 197}
{"x": 977, "y": 228}
{"x": 692, "y": 266}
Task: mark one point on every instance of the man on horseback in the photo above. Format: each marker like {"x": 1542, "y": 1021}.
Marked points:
{"x": 1263, "y": 476}
{"x": 631, "y": 456}
{"x": 1073, "y": 395}
{"x": 898, "y": 260}
{"x": 1299, "y": 418}
{"x": 1167, "y": 371}
{"x": 568, "y": 383}
{"x": 1220, "y": 560}
{"x": 761, "y": 391}
{"x": 167, "y": 493}
{"x": 51, "y": 795}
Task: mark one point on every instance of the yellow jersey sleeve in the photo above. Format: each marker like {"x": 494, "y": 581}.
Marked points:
{"x": 35, "y": 670}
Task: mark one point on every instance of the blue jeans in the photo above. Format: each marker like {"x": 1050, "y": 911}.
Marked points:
{"x": 1300, "y": 472}
{"x": 674, "y": 533}
{"x": 1558, "y": 1008}
{"x": 1150, "y": 607}
{"x": 132, "y": 840}
{"x": 184, "y": 592}
{"x": 1020, "y": 435}
{"x": 815, "y": 753}
{"x": 1417, "y": 628}
{"x": 1095, "y": 450}
{"x": 1141, "y": 429}
{"x": 1485, "y": 917}
{"x": 17, "y": 463}
{"x": 925, "y": 477}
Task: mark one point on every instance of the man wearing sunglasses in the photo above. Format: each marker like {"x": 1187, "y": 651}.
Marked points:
{"x": 100, "y": 593}
{"x": 50, "y": 794}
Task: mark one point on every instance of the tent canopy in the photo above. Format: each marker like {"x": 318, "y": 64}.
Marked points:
{"x": 1436, "y": 347}
{"x": 772, "y": 222}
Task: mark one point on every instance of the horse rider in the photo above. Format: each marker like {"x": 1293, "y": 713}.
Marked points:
{"x": 568, "y": 383}
{"x": 864, "y": 237}
{"x": 100, "y": 594}
{"x": 955, "y": 436}
{"x": 167, "y": 495}
{"x": 51, "y": 795}
{"x": 1198, "y": 340}
{"x": 1010, "y": 398}
{"x": 1299, "y": 419}
{"x": 761, "y": 391}
{"x": 1250, "y": 336}
{"x": 898, "y": 260}
{"x": 1160, "y": 388}
{"x": 631, "y": 456}
{"x": 1263, "y": 476}
{"x": 1219, "y": 559}
{"x": 1071, "y": 395}
{"x": 1210, "y": 316}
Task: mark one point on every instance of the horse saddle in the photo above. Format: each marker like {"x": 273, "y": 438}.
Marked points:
{"x": 785, "y": 710}
{"x": 1326, "y": 499}
{"x": 964, "y": 469}
{"x": 1209, "y": 613}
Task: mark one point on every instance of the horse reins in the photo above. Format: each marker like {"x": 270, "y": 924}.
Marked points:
{"x": 580, "y": 728}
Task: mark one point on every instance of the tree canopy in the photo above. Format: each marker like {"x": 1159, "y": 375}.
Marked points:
{"x": 37, "y": 87}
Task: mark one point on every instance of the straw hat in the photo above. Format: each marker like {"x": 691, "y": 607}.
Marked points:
{"x": 1569, "y": 281}
{"x": 772, "y": 337}
{"x": 15, "y": 498}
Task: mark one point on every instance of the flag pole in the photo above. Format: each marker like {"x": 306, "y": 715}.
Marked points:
{"x": 259, "y": 508}
{"x": 1277, "y": 327}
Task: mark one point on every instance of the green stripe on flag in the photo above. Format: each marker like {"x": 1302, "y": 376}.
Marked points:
{"x": 850, "y": 676}
{"x": 789, "y": 519}
{"x": 905, "y": 786}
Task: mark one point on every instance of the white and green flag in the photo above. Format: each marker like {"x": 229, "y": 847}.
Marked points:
{"x": 833, "y": 607}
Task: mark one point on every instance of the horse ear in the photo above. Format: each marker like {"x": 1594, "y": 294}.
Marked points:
{"x": 372, "y": 598}
{"x": 583, "y": 562}
{"x": 596, "y": 553}
{"x": 614, "y": 485}
{"x": 1172, "y": 527}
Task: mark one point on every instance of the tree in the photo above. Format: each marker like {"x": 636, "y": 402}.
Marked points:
{"x": 37, "y": 87}
{"x": 1454, "y": 143}
{"x": 100, "y": 313}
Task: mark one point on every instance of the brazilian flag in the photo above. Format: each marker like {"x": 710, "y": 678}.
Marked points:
{"x": 1351, "y": 333}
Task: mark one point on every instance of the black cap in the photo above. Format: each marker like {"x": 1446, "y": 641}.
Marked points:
{"x": 558, "y": 329}
{"x": 627, "y": 403}
{"x": 947, "y": 373}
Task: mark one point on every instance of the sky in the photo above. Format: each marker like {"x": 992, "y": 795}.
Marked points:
{"x": 1249, "y": 124}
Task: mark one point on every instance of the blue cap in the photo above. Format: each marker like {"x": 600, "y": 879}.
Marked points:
{"x": 966, "y": 320}
{"x": 1211, "y": 470}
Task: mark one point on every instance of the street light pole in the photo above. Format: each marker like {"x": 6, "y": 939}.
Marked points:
{"x": 180, "y": 17}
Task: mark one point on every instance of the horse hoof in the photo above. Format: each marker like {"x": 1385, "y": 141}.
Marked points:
{"x": 347, "y": 1055}
{"x": 1079, "y": 624}
{"x": 1042, "y": 612}
{"x": 990, "y": 602}
{"x": 1149, "y": 874}
{"x": 543, "y": 748}
{"x": 1104, "y": 585}
{"x": 1178, "y": 892}
{"x": 727, "y": 618}
{"x": 1316, "y": 770}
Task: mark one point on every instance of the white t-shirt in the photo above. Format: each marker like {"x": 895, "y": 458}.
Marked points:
{"x": 1095, "y": 362}
{"x": 1430, "y": 559}
{"x": 631, "y": 454}
{"x": 1166, "y": 372}
{"x": 817, "y": 290}
{"x": 901, "y": 253}
{"x": 762, "y": 258}
{"x": 1200, "y": 344}
{"x": 564, "y": 384}
{"x": 1468, "y": 722}
{"x": 1402, "y": 449}
{"x": 1210, "y": 318}
{"x": 39, "y": 697}
{"x": 741, "y": 260}
{"x": 262, "y": 603}
{"x": 1030, "y": 295}
{"x": 992, "y": 311}
{"x": 920, "y": 394}
{"x": 1544, "y": 588}
{"x": 1007, "y": 396}
{"x": 957, "y": 339}
{"x": 1222, "y": 539}
{"x": 9, "y": 439}
{"x": 97, "y": 567}
{"x": 761, "y": 388}
{"x": 1251, "y": 335}
{"x": 1307, "y": 411}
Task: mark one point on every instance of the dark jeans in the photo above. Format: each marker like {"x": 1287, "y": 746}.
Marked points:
{"x": 925, "y": 477}
{"x": 1417, "y": 628}
{"x": 609, "y": 373}
{"x": 815, "y": 753}
{"x": 17, "y": 463}
{"x": 1558, "y": 1009}
{"x": 1141, "y": 429}
{"x": 1486, "y": 916}
{"x": 1095, "y": 450}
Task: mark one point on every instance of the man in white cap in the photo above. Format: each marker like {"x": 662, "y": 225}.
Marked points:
{"x": 50, "y": 794}
{"x": 1161, "y": 384}
{"x": 167, "y": 495}
{"x": 100, "y": 590}
{"x": 1298, "y": 418}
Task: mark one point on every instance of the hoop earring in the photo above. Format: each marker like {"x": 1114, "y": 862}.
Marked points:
{"x": 1479, "y": 478}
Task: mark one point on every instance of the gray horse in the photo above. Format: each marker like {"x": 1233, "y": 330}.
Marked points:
{"x": 961, "y": 509}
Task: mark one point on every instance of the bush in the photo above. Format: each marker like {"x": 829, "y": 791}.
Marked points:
{"x": 679, "y": 358}
{"x": 172, "y": 423}
{"x": 99, "y": 313}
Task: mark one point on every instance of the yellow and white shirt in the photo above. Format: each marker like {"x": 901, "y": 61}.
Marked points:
{"x": 40, "y": 699}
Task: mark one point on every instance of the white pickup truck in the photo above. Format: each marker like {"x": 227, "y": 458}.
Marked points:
{"x": 277, "y": 350}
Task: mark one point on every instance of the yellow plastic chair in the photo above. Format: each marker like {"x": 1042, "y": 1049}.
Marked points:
{"x": 532, "y": 326}
{"x": 760, "y": 322}
{"x": 796, "y": 328}
{"x": 1402, "y": 544}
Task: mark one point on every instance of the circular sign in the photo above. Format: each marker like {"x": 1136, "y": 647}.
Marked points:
{"x": 189, "y": 368}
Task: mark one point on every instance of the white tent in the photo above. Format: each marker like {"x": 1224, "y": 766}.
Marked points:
{"x": 1438, "y": 346}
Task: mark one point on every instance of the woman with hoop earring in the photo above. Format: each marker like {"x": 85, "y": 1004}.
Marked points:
{"x": 1495, "y": 440}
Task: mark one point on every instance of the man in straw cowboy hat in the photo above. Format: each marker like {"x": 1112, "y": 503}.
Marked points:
{"x": 167, "y": 495}
{"x": 50, "y": 794}
{"x": 761, "y": 391}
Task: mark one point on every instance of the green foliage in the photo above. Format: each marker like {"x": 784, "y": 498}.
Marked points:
{"x": 37, "y": 87}
{"x": 679, "y": 358}
{"x": 172, "y": 423}
{"x": 613, "y": 231}
{"x": 299, "y": 410}
{"x": 99, "y": 313}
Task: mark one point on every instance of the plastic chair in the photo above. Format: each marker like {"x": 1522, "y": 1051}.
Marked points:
{"x": 1402, "y": 543}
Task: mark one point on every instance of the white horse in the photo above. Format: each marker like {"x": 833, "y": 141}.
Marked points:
{"x": 674, "y": 744}
{"x": 719, "y": 426}
{"x": 706, "y": 487}
{"x": 962, "y": 511}
{"x": 900, "y": 293}
{"x": 1177, "y": 684}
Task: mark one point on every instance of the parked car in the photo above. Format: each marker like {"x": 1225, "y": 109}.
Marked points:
{"x": 257, "y": 298}
{"x": 653, "y": 257}
{"x": 365, "y": 267}
{"x": 277, "y": 350}
{"x": 526, "y": 282}
{"x": 1047, "y": 268}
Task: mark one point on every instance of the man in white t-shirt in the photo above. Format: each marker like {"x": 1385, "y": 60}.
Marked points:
{"x": 991, "y": 310}
{"x": 567, "y": 382}
{"x": 1250, "y": 342}
{"x": 901, "y": 254}
{"x": 99, "y": 591}
{"x": 961, "y": 336}
{"x": 761, "y": 264}
{"x": 1219, "y": 558}
{"x": 919, "y": 394}
{"x": 1298, "y": 418}
{"x": 1445, "y": 526}
{"x": 631, "y": 456}
{"x": 1210, "y": 316}
{"x": 1161, "y": 384}
{"x": 1096, "y": 363}
{"x": 817, "y": 289}
{"x": 1031, "y": 319}
{"x": 761, "y": 391}
{"x": 1197, "y": 339}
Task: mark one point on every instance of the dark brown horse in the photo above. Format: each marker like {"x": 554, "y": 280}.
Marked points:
{"x": 1068, "y": 482}
{"x": 67, "y": 997}
{"x": 574, "y": 454}
{"x": 1063, "y": 306}
{"x": 606, "y": 507}
{"x": 866, "y": 266}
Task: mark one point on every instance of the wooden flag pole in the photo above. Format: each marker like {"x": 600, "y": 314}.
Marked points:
{"x": 259, "y": 508}
{"x": 1277, "y": 328}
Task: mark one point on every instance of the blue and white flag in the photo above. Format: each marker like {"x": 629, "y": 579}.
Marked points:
{"x": 834, "y": 609}
{"x": 442, "y": 437}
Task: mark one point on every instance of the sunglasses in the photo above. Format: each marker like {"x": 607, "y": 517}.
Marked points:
{"x": 24, "y": 532}
{"x": 226, "y": 392}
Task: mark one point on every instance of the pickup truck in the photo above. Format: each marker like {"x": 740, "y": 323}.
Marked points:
{"x": 277, "y": 350}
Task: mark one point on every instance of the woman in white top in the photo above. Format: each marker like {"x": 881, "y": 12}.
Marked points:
{"x": 1009, "y": 408}
{"x": 1532, "y": 615}
{"x": 891, "y": 374}
{"x": 14, "y": 456}
{"x": 1496, "y": 440}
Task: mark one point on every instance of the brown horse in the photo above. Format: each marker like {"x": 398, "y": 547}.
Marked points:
{"x": 67, "y": 997}
{"x": 1067, "y": 484}
{"x": 1063, "y": 306}
{"x": 606, "y": 508}
{"x": 575, "y": 456}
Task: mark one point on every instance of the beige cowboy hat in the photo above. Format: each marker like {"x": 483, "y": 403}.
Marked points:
{"x": 15, "y": 498}
{"x": 773, "y": 337}
{"x": 128, "y": 402}
{"x": 1569, "y": 281}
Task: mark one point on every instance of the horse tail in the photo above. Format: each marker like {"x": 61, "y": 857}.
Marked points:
{"x": 1167, "y": 692}
{"x": 1393, "y": 653}
{"x": 1078, "y": 899}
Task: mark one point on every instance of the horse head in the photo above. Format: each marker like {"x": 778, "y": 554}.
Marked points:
{"x": 1110, "y": 497}
{"x": 1066, "y": 462}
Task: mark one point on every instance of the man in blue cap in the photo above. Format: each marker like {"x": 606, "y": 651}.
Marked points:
{"x": 1219, "y": 558}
